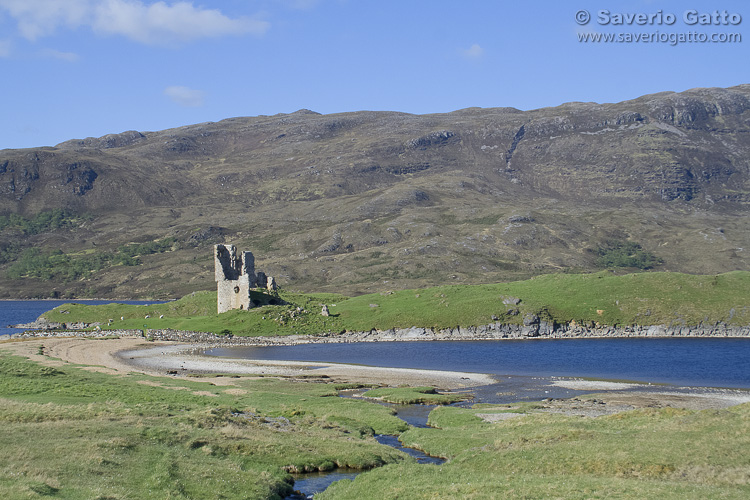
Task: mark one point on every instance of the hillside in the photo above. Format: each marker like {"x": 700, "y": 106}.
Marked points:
{"x": 370, "y": 201}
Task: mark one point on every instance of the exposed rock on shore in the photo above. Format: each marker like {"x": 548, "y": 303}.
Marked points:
{"x": 493, "y": 331}
{"x": 43, "y": 324}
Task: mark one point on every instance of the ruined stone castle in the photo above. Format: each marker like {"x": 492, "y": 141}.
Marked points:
{"x": 236, "y": 277}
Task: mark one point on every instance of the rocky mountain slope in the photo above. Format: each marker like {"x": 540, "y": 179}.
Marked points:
{"x": 369, "y": 201}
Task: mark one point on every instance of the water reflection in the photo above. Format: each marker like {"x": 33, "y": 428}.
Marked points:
{"x": 311, "y": 483}
{"x": 421, "y": 457}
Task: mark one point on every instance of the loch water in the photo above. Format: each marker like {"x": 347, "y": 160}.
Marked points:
{"x": 701, "y": 362}
{"x": 696, "y": 362}
{"x": 14, "y": 312}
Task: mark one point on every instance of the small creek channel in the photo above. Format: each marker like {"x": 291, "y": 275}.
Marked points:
{"x": 310, "y": 483}
{"x": 507, "y": 389}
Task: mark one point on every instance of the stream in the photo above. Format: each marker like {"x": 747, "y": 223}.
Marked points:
{"x": 507, "y": 390}
{"x": 310, "y": 483}
{"x": 526, "y": 370}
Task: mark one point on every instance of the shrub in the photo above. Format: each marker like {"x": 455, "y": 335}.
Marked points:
{"x": 618, "y": 253}
{"x": 48, "y": 265}
{"x": 42, "y": 222}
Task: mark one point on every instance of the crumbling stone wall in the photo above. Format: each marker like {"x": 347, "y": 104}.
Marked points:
{"x": 235, "y": 276}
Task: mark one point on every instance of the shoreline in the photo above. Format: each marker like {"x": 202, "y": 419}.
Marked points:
{"x": 179, "y": 359}
{"x": 120, "y": 356}
{"x": 176, "y": 353}
{"x": 493, "y": 331}
{"x": 136, "y": 355}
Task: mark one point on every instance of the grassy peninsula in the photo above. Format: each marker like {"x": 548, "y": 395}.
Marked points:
{"x": 603, "y": 298}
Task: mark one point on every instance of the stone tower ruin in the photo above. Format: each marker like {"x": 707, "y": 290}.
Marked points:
{"x": 235, "y": 277}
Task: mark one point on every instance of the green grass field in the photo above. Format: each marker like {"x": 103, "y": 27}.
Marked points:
{"x": 76, "y": 434}
{"x": 665, "y": 454}
{"x": 70, "y": 433}
{"x": 588, "y": 299}
{"x": 73, "y": 433}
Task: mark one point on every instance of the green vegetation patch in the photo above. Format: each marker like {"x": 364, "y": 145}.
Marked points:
{"x": 75, "y": 434}
{"x": 603, "y": 298}
{"x": 56, "y": 265}
{"x": 17, "y": 228}
{"x": 653, "y": 453}
{"x": 617, "y": 253}
{"x": 588, "y": 299}
{"x": 414, "y": 395}
{"x": 42, "y": 222}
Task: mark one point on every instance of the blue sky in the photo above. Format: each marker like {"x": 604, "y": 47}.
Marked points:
{"x": 80, "y": 68}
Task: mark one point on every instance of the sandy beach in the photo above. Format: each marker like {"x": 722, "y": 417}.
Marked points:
{"x": 126, "y": 355}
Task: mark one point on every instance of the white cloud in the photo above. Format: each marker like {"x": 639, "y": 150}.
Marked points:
{"x": 185, "y": 96}
{"x": 473, "y": 52}
{"x": 63, "y": 56}
{"x": 150, "y": 23}
{"x": 38, "y": 18}
{"x": 160, "y": 22}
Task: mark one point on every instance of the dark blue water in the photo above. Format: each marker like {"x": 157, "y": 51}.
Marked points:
{"x": 704, "y": 362}
{"x": 13, "y": 312}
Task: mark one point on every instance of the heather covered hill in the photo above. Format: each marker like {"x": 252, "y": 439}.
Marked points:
{"x": 366, "y": 201}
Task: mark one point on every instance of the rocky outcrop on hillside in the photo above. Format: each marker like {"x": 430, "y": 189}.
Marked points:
{"x": 691, "y": 145}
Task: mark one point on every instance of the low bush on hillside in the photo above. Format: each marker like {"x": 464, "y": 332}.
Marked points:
{"x": 49, "y": 265}
{"x": 626, "y": 254}
{"x": 42, "y": 222}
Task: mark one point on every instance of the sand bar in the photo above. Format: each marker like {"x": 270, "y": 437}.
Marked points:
{"x": 126, "y": 355}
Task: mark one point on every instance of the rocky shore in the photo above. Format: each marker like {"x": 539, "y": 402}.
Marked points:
{"x": 43, "y": 324}
{"x": 493, "y": 331}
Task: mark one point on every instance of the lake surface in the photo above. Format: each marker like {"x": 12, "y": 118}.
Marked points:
{"x": 14, "y": 312}
{"x": 707, "y": 362}
{"x": 702, "y": 362}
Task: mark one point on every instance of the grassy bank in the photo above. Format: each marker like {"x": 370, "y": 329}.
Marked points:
{"x": 414, "y": 395}
{"x": 666, "y": 454}
{"x": 74, "y": 433}
{"x": 587, "y": 299}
